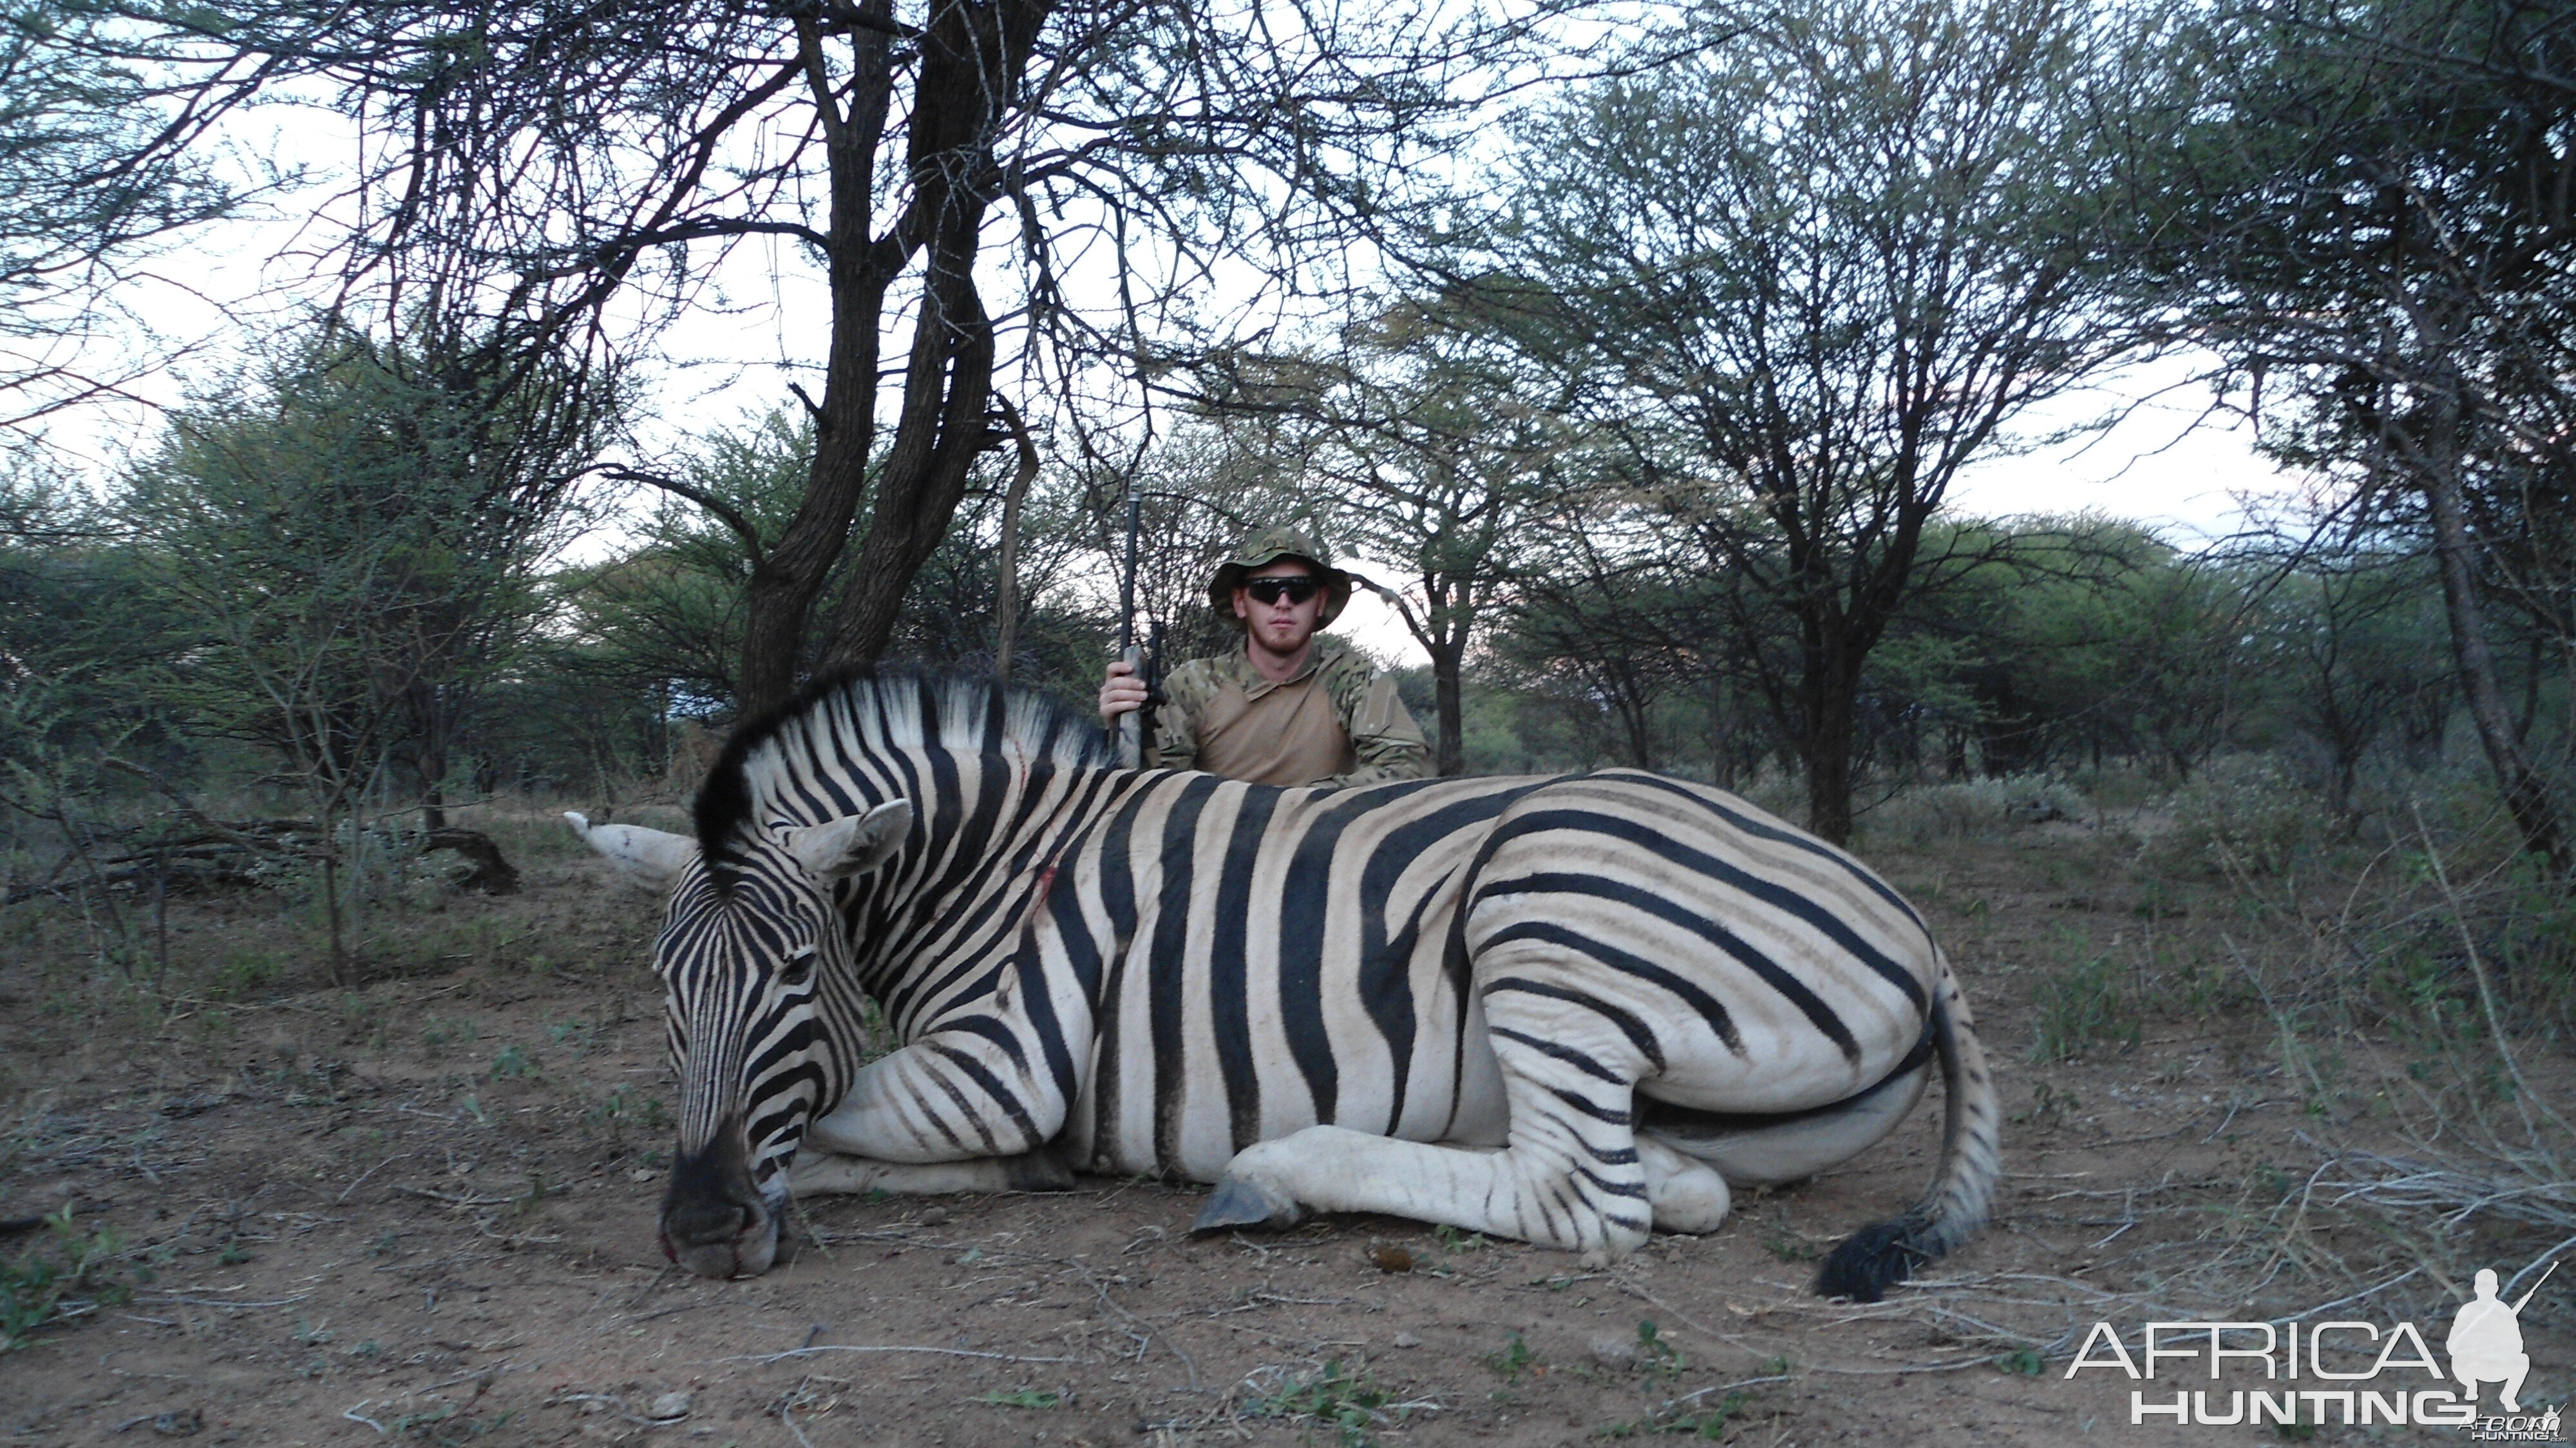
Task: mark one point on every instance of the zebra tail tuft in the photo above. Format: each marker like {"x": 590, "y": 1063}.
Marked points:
{"x": 1874, "y": 1259}
{"x": 1882, "y": 1254}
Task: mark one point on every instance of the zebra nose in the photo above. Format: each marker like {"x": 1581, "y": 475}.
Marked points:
{"x": 702, "y": 1222}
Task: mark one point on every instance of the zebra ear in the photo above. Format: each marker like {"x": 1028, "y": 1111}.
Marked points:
{"x": 650, "y": 857}
{"x": 853, "y": 844}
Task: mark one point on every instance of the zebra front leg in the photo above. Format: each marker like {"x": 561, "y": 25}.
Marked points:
{"x": 824, "y": 1173}
{"x": 955, "y": 1096}
{"x": 1571, "y": 1175}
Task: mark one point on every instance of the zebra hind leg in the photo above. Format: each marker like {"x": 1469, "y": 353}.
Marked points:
{"x": 1687, "y": 1195}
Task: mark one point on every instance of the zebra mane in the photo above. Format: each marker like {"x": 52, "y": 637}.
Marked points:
{"x": 882, "y": 710}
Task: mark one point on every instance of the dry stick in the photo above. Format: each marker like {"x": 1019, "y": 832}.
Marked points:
{"x": 786, "y": 1411}
{"x": 232, "y": 1306}
{"x": 764, "y": 1359}
{"x": 1102, "y": 1289}
{"x": 371, "y": 1171}
{"x": 1739, "y": 1344}
{"x": 1724, "y": 1388}
{"x": 2550, "y": 1257}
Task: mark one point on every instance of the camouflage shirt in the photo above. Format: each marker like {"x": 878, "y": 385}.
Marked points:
{"x": 1385, "y": 743}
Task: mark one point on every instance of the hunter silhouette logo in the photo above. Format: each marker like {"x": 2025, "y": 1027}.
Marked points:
{"x": 2486, "y": 1340}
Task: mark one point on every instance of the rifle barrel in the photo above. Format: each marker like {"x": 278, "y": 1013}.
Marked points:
{"x": 2535, "y": 1289}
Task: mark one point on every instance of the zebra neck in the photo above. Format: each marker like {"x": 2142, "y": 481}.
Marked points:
{"x": 937, "y": 931}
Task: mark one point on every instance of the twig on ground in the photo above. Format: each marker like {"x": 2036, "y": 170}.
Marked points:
{"x": 229, "y": 1306}
{"x": 1102, "y": 1290}
{"x": 371, "y": 1171}
{"x": 797, "y": 1352}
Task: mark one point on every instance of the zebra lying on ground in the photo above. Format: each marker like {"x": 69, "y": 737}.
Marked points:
{"x": 1562, "y": 1009}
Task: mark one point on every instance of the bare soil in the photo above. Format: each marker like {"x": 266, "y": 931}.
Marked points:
{"x": 421, "y": 1209}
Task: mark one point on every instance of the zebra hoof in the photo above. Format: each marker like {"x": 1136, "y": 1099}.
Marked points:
{"x": 1237, "y": 1203}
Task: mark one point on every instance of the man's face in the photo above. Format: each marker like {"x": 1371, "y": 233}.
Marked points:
{"x": 1273, "y": 611}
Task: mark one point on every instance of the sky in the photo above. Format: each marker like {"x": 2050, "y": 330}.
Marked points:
{"x": 2165, "y": 463}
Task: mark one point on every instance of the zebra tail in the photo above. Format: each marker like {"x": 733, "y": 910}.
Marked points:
{"x": 1883, "y": 1253}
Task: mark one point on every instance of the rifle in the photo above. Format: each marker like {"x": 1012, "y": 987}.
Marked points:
{"x": 2535, "y": 1289}
{"x": 1131, "y": 733}
{"x": 1128, "y": 734}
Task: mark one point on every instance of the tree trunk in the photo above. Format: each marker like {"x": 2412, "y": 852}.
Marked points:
{"x": 1832, "y": 690}
{"x": 943, "y": 429}
{"x": 785, "y": 583}
{"x": 1446, "y": 668}
{"x": 429, "y": 757}
{"x": 491, "y": 873}
{"x": 2530, "y": 691}
{"x": 1721, "y": 753}
{"x": 340, "y": 952}
{"x": 2526, "y": 793}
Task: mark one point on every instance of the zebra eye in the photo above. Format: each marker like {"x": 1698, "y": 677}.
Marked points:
{"x": 798, "y": 967}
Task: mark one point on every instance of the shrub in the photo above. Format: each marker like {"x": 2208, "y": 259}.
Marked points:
{"x": 1965, "y": 809}
{"x": 2082, "y": 1004}
{"x": 2240, "y": 812}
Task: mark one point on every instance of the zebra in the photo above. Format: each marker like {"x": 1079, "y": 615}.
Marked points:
{"x": 1565, "y": 1009}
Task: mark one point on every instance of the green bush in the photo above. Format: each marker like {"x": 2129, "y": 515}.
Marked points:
{"x": 2081, "y": 1005}
{"x": 64, "y": 1273}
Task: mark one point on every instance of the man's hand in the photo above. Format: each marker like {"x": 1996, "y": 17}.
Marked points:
{"x": 1120, "y": 693}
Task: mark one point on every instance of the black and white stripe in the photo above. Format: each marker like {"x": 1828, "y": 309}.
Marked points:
{"x": 1639, "y": 987}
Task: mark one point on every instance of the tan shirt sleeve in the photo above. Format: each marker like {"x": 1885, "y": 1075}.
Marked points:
{"x": 1385, "y": 742}
{"x": 1173, "y": 742}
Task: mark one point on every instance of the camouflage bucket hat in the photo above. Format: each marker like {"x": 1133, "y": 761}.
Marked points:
{"x": 1268, "y": 546}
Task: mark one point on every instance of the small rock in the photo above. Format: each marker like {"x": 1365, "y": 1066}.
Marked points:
{"x": 1614, "y": 1352}
{"x": 934, "y": 1216}
{"x": 639, "y": 1174}
{"x": 1406, "y": 1339}
{"x": 1391, "y": 1259}
{"x": 670, "y": 1406}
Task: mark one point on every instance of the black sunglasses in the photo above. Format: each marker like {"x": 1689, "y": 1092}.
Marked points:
{"x": 1271, "y": 590}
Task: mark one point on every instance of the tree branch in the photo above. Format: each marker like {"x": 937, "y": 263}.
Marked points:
{"x": 723, "y": 511}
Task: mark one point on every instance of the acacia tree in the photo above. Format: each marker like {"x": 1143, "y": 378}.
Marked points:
{"x": 96, "y": 174}
{"x": 1798, "y": 281}
{"x": 2374, "y": 220}
{"x": 569, "y": 166}
{"x": 2355, "y": 637}
{"x": 356, "y": 549}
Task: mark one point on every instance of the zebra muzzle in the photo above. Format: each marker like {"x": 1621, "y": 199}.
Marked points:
{"x": 714, "y": 1219}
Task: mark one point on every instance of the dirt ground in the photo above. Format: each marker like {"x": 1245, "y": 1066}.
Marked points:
{"x": 422, "y": 1210}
